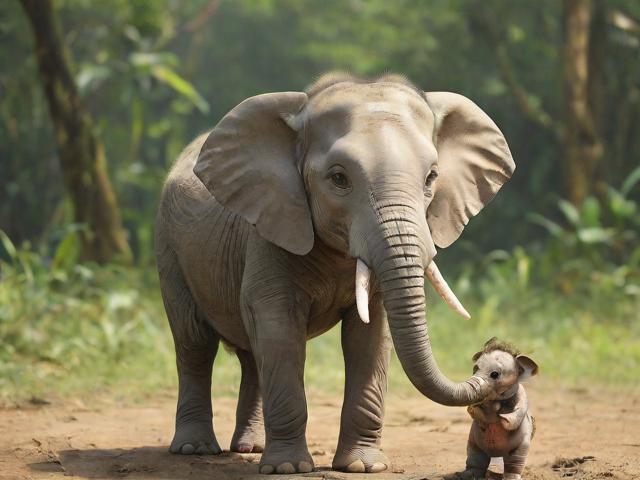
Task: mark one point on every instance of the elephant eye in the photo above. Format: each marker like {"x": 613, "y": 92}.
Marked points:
{"x": 428, "y": 183}
{"x": 340, "y": 180}
{"x": 495, "y": 375}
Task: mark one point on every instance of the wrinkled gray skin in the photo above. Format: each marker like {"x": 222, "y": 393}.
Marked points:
{"x": 502, "y": 425}
{"x": 304, "y": 184}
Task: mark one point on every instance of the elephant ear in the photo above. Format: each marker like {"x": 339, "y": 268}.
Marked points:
{"x": 248, "y": 164}
{"x": 474, "y": 161}
{"x": 527, "y": 367}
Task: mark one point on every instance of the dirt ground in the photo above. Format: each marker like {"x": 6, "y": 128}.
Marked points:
{"x": 580, "y": 435}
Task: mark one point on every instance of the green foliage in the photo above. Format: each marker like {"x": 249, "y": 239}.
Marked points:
{"x": 597, "y": 246}
{"x": 156, "y": 73}
{"x": 68, "y": 326}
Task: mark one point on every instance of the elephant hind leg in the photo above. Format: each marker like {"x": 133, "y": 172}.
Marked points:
{"x": 249, "y": 433}
{"x": 196, "y": 345}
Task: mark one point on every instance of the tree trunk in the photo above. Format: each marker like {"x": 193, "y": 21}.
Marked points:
{"x": 583, "y": 147}
{"x": 80, "y": 150}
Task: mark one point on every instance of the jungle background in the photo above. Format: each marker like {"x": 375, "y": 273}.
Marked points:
{"x": 97, "y": 98}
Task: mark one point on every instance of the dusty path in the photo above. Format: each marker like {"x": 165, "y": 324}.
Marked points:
{"x": 579, "y": 435}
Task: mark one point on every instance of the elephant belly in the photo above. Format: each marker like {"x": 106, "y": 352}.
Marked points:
{"x": 320, "y": 323}
{"x": 496, "y": 439}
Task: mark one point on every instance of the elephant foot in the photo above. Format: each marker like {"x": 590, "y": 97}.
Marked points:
{"x": 285, "y": 458}
{"x": 471, "y": 474}
{"x": 247, "y": 440}
{"x": 195, "y": 439}
{"x": 361, "y": 460}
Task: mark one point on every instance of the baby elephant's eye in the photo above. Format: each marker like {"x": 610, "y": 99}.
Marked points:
{"x": 494, "y": 375}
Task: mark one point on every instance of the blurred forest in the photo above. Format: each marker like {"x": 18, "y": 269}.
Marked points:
{"x": 97, "y": 98}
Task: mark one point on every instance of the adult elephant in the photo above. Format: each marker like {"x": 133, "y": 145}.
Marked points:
{"x": 265, "y": 221}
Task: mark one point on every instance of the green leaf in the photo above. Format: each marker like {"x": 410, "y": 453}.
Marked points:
{"x": 8, "y": 245}
{"x": 570, "y": 212}
{"x": 552, "y": 227}
{"x": 67, "y": 252}
{"x": 91, "y": 76}
{"x": 630, "y": 181}
{"x": 620, "y": 207}
{"x": 180, "y": 85}
{"x": 595, "y": 235}
{"x": 149, "y": 59}
{"x": 590, "y": 214}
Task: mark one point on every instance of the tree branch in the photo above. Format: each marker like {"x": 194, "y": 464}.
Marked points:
{"x": 535, "y": 113}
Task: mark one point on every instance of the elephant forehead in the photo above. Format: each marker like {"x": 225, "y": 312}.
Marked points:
{"x": 497, "y": 359}
{"x": 349, "y": 100}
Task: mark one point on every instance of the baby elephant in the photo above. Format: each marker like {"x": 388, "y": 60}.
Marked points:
{"x": 502, "y": 425}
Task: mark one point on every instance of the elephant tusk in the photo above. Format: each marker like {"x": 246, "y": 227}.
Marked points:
{"x": 440, "y": 284}
{"x": 363, "y": 274}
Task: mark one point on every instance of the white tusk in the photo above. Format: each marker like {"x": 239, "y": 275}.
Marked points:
{"x": 440, "y": 284}
{"x": 362, "y": 290}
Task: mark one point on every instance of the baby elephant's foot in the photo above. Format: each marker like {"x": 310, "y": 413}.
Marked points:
{"x": 286, "y": 457}
{"x": 511, "y": 476}
{"x": 247, "y": 440}
{"x": 195, "y": 439}
{"x": 360, "y": 459}
{"x": 471, "y": 474}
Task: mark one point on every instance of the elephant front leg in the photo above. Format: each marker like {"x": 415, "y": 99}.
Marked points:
{"x": 515, "y": 461}
{"x": 278, "y": 337}
{"x": 366, "y": 349}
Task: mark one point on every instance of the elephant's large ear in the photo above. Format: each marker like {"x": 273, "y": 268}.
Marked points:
{"x": 248, "y": 164}
{"x": 474, "y": 161}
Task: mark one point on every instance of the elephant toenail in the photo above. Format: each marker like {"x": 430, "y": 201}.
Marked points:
{"x": 187, "y": 449}
{"x": 305, "y": 467}
{"x": 245, "y": 448}
{"x": 286, "y": 467}
{"x": 202, "y": 449}
{"x": 377, "y": 467}
{"x": 266, "y": 469}
{"x": 356, "y": 467}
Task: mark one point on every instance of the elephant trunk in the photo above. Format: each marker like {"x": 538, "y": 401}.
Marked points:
{"x": 398, "y": 260}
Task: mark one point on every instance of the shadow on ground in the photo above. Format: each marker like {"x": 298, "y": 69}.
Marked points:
{"x": 158, "y": 463}
{"x": 148, "y": 462}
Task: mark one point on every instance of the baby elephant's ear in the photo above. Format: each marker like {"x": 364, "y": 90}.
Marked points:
{"x": 528, "y": 368}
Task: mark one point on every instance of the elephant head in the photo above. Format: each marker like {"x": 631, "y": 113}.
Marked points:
{"x": 504, "y": 366}
{"x": 378, "y": 170}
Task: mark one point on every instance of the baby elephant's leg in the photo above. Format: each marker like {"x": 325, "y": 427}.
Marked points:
{"x": 477, "y": 462}
{"x": 514, "y": 462}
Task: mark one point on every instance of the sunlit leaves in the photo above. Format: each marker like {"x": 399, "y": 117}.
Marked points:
{"x": 180, "y": 85}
